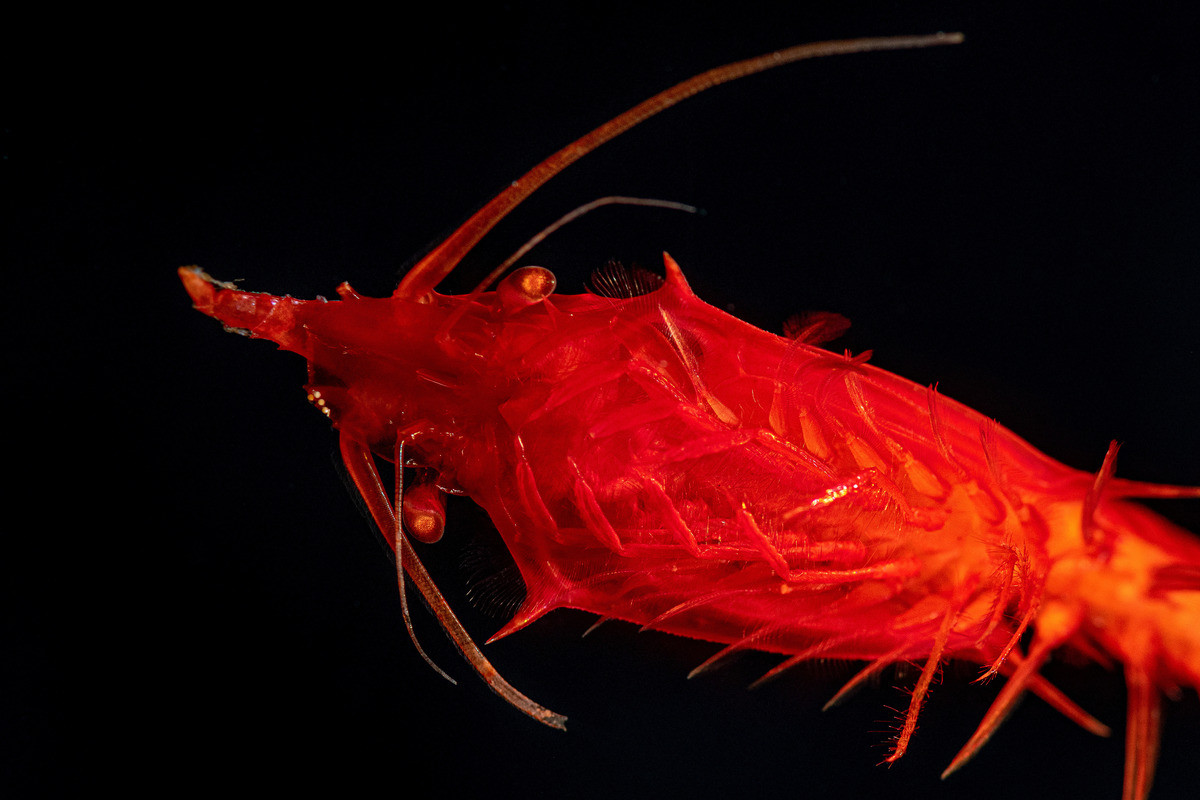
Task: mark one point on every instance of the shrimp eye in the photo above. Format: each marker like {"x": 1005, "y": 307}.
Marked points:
{"x": 426, "y": 528}
{"x": 524, "y": 287}
{"x": 424, "y": 510}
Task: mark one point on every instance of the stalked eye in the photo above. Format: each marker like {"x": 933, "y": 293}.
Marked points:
{"x": 424, "y": 508}
{"x": 524, "y": 287}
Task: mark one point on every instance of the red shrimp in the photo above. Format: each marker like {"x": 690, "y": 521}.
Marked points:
{"x": 649, "y": 458}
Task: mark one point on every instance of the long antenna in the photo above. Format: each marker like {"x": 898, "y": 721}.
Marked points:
{"x": 442, "y": 260}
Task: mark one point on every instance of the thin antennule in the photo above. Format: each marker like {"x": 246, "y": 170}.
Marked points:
{"x": 442, "y": 260}
{"x": 536, "y": 239}
{"x": 571, "y": 216}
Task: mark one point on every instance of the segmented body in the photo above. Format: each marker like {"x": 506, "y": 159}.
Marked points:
{"x": 649, "y": 458}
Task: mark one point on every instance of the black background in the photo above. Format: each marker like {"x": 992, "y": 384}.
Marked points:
{"x": 195, "y": 599}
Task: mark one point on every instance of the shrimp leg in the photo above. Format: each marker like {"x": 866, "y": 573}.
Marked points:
{"x": 361, "y": 466}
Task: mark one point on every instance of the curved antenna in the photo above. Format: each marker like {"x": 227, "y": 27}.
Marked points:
{"x": 443, "y": 332}
{"x": 442, "y": 260}
{"x": 571, "y": 216}
{"x": 360, "y": 463}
